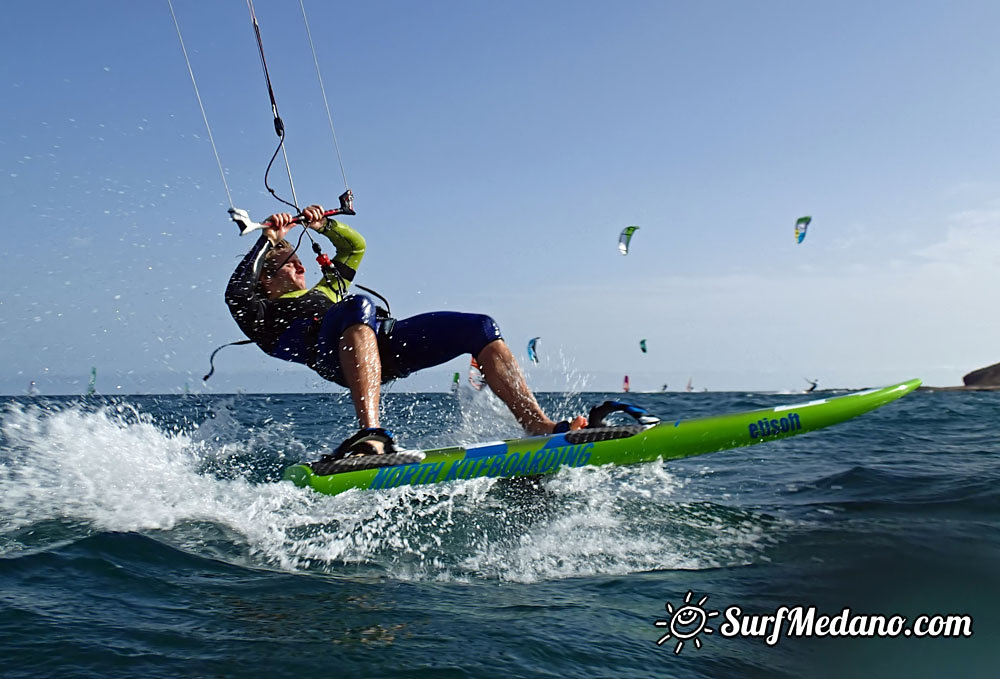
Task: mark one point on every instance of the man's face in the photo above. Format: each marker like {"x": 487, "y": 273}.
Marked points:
{"x": 291, "y": 276}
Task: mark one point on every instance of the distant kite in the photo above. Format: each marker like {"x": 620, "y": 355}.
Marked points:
{"x": 532, "y": 353}
{"x": 800, "y": 228}
{"x": 642, "y": 345}
{"x": 625, "y": 238}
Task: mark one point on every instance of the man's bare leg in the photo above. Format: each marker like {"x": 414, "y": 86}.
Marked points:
{"x": 504, "y": 376}
{"x": 362, "y": 369}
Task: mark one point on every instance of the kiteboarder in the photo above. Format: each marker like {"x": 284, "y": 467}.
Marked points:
{"x": 812, "y": 384}
{"x": 348, "y": 340}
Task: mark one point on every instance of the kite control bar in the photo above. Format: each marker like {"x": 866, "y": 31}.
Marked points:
{"x": 247, "y": 225}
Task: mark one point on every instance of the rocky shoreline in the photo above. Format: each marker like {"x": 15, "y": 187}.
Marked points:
{"x": 983, "y": 379}
{"x": 960, "y": 388}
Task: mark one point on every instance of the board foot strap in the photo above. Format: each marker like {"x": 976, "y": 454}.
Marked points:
{"x": 598, "y": 414}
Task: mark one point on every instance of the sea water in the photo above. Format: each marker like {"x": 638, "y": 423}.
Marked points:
{"x": 150, "y": 536}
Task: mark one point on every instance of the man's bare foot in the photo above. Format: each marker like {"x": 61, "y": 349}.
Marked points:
{"x": 546, "y": 428}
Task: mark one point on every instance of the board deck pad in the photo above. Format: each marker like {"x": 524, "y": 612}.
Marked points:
{"x": 359, "y": 462}
{"x": 668, "y": 440}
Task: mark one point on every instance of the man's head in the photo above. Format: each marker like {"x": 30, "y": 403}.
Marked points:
{"x": 282, "y": 271}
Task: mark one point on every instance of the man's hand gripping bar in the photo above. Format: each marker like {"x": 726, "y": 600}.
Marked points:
{"x": 247, "y": 225}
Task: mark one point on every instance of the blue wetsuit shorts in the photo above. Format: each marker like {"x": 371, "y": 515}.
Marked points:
{"x": 412, "y": 344}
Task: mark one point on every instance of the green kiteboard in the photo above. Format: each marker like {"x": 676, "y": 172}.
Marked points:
{"x": 606, "y": 445}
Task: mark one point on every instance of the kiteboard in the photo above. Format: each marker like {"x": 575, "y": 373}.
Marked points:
{"x": 619, "y": 445}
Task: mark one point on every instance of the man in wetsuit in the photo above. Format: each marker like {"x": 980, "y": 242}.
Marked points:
{"x": 344, "y": 340}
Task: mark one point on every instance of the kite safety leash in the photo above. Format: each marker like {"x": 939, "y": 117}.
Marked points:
{"x": 279, "y": 125}
{"x": 242, "y": 217}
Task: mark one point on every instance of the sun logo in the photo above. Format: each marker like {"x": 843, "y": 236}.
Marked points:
{"x": 685, "y": 623}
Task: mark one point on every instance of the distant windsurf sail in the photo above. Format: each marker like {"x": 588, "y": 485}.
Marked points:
{"x": 625, "y": 384}
{"x": 689, "y": 386}
{"x": 625, "y": 238}
{"x": 455, "y": 383}
{"x": 533, "y": 349}
{"x": 642, "y": 345}
{"x": 800, "y": 228}
{"x": 92, "y": 387}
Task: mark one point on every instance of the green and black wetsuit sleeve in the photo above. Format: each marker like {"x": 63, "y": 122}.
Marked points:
{"x": 350, "y": 247}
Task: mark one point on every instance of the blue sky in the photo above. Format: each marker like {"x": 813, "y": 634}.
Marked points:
{"x": 495, "y": 151}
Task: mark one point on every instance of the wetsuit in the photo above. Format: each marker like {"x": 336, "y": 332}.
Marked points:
{"x": 305, "y": 326}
